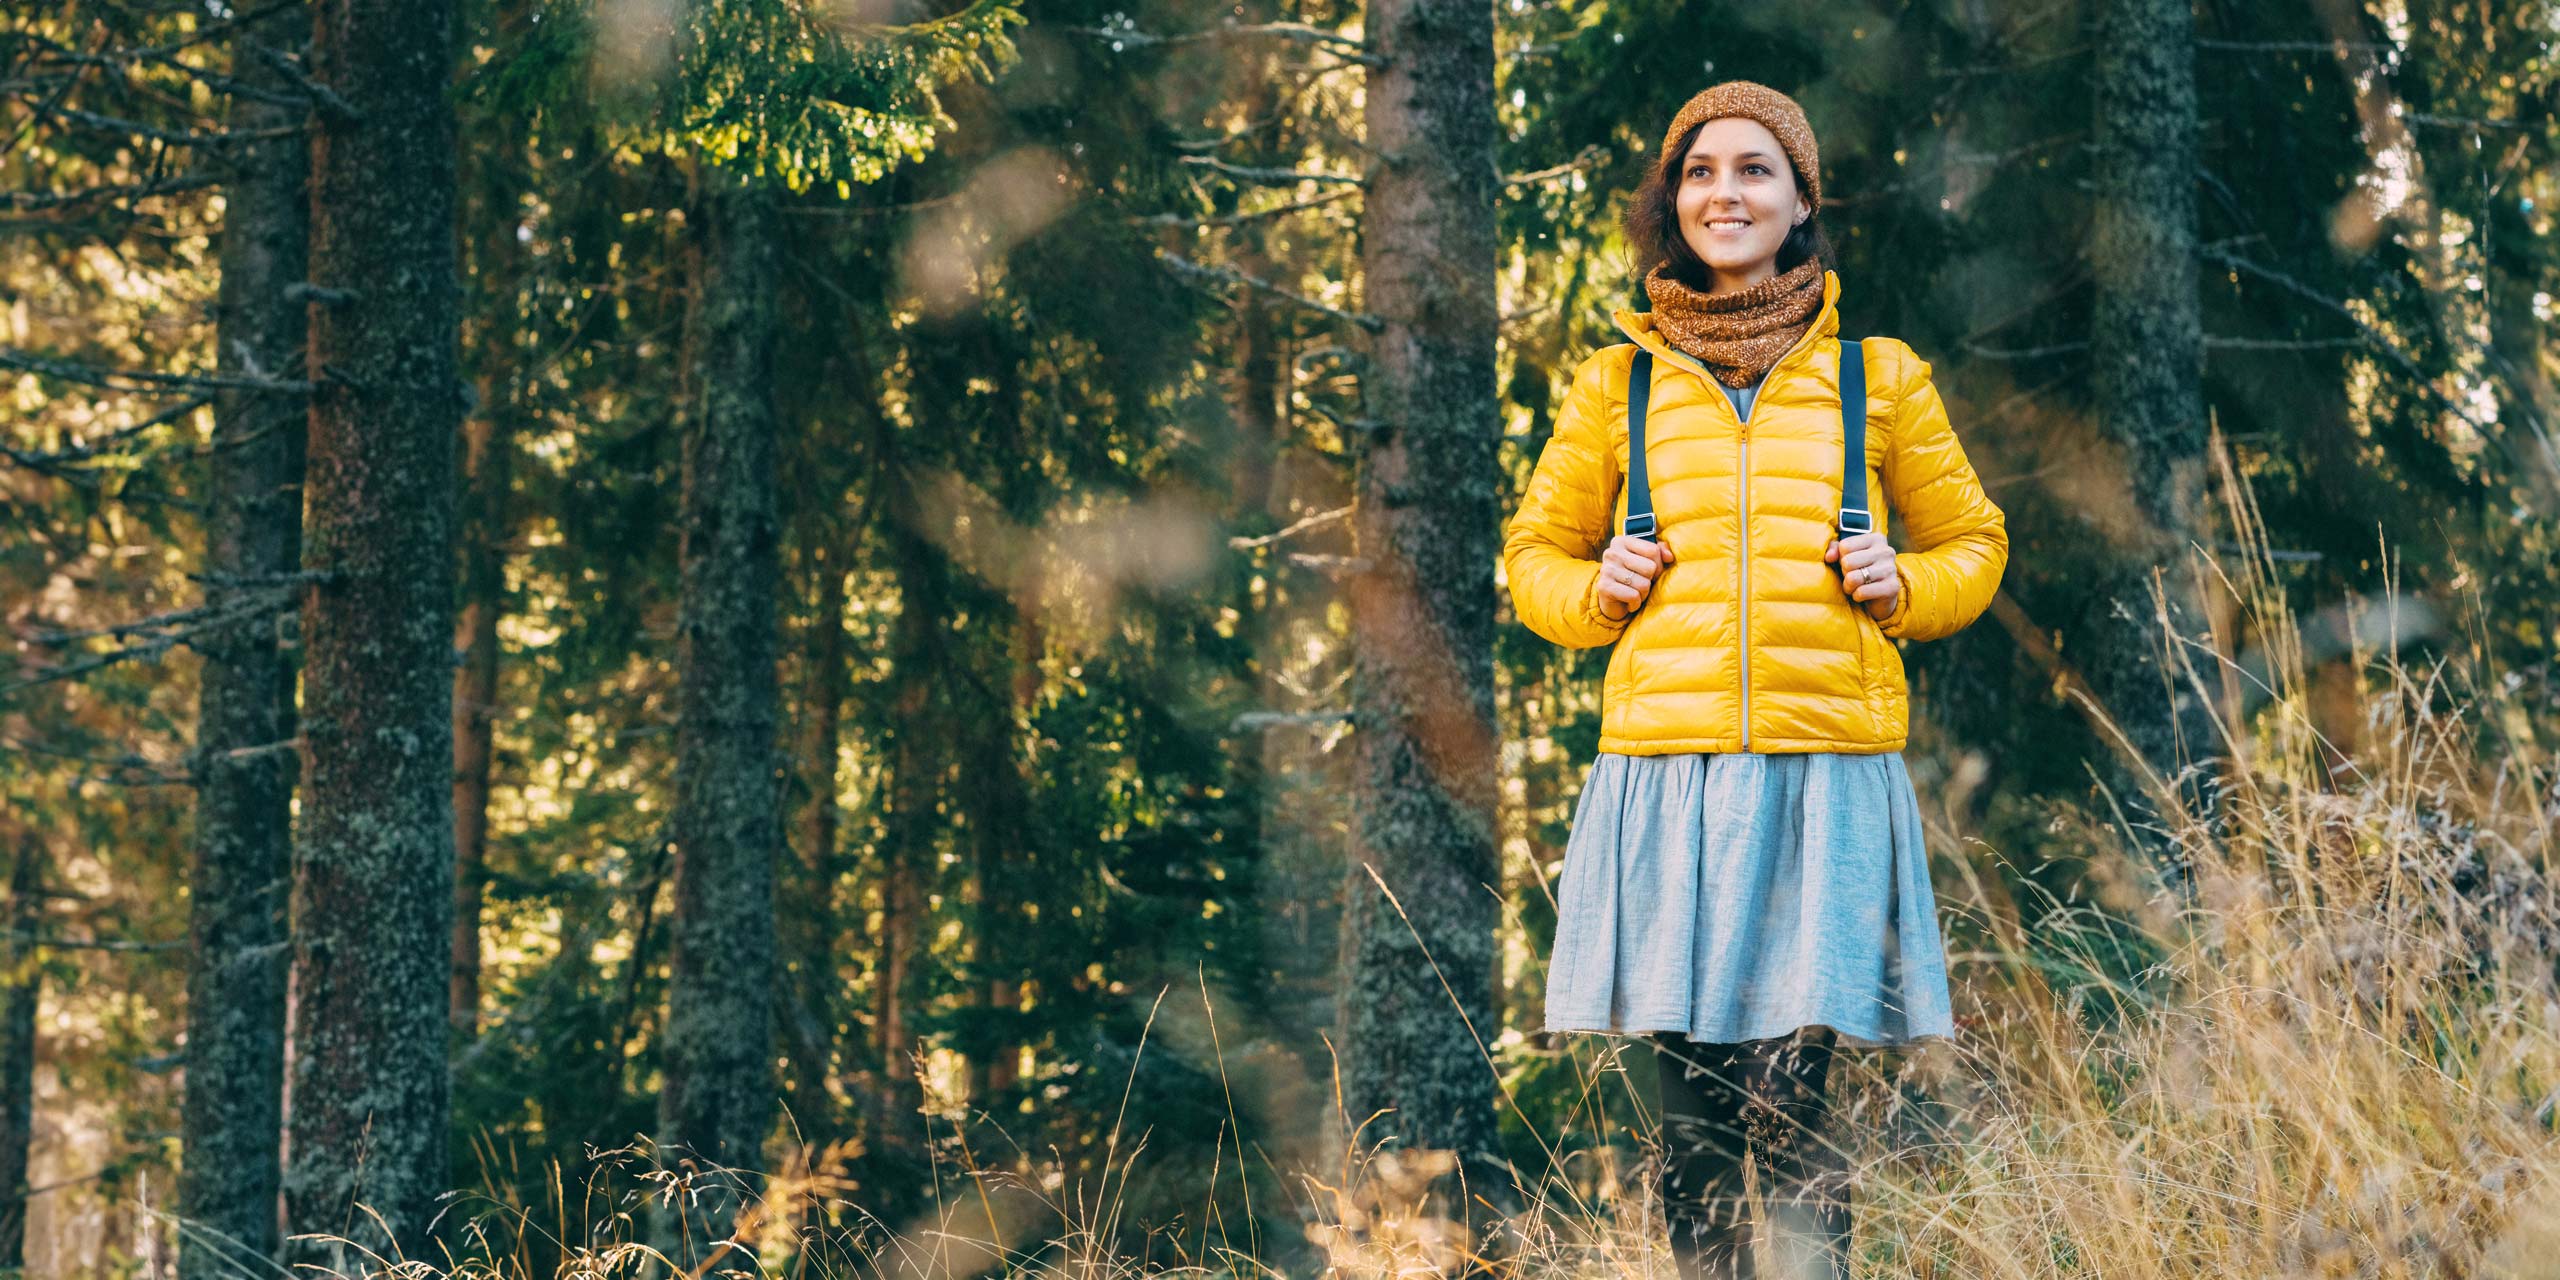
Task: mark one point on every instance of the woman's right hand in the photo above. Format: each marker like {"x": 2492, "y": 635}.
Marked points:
{"x": 1627, "y": 570}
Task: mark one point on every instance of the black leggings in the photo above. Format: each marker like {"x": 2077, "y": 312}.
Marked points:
{"x": 1761, "y": 1098}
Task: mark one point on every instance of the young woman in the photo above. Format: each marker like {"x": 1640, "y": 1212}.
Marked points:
{"x": 1746, "y": 884}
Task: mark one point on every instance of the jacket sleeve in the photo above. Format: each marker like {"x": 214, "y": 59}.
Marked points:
{"x": 1552, "y": 544}
{"x": 1960, "y": 540}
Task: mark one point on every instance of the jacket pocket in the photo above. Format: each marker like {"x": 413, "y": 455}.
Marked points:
{"x": 1871, "y": 670}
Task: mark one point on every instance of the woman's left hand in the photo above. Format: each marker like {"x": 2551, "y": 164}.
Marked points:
{"x": 1866, "y": 572}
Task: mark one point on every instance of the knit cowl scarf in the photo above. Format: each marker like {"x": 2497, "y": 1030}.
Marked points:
{"x": 1740, "y": 333}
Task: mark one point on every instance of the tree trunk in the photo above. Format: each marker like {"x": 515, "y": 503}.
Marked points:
{"x": 239, "y": 885}
{"x": 486, "y": 445}
{"x": 907, "y": 848}
{"x": 18, "y": 1048}
{"x": 1002, "y": 839}
{"x": 488, "y": 456}
{"x": 374, "y": 867}
{"x": 1422, "y": 605}
{"x": 719, "y": 1096}
{"x": 2147, "y": 347}
{"x": 809, "y": 927}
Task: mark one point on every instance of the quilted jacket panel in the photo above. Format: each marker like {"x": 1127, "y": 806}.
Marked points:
{"x": 1748, "y": 641}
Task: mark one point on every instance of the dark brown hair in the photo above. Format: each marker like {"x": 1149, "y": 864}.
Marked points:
{"x": 1652, "y": 225}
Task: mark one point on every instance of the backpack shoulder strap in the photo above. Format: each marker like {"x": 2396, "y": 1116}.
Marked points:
{"x": 1854, "y": 516}
{"x": 1640, "y": 522}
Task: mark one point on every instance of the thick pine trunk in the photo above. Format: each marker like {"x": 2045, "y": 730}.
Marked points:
{"x": 374, "y": 866}
{"x": 718, "y": 1101}
{"x": 239, "y": 885}
{"x": 1422, "y": 605}
{"x": 2147, "y": 348}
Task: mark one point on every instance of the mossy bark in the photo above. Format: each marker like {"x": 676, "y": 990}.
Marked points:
{"x": 240, "y": 879}
{"x": 373, "y": 886}
{"x": 718, "y": 1101}
{"x": 2147, "y": 349}
{"x": 1417, "y": 991}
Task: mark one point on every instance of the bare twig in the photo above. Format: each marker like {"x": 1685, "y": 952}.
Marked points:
{"x": 1271, "y": 177}
{"x": 1591, "y": 155}
{"x": 2023, "y": 353}
{"x": 1229, "y": 275}
{"x": 2290, "y": 46}
{"x": 1298, "y": 527}
{"x": 1253, "y": 720}
{"x": 86, "y": 944}
{"x": 2218, "y": 341}
{"x": 128, "y": 191}
{"x": 115, "y": 379}
{"x": 173, "y": 137}
{"x": 1239, "y": 219}
{"x": 1332, "y": 42}
{"x": 323, "y": 98}
{"x": 60, "y": 461}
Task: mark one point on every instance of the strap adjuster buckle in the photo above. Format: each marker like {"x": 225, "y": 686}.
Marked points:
{"x": 1866, "y": 520}
{"x": 1641, "y": 525}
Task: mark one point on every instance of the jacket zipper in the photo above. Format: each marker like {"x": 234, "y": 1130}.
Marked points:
{"x": 1742, "y": 512}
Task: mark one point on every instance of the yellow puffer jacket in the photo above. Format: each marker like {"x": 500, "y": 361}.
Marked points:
{"x": 1747, "y": 641}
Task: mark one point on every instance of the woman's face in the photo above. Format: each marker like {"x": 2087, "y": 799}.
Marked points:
{"x": 1737, "y": 200}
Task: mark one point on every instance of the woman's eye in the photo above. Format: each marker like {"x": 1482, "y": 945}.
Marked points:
{"x": 1760, "y": 168}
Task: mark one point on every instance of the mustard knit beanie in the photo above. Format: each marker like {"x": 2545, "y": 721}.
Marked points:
{"x": 1774, "y": 110}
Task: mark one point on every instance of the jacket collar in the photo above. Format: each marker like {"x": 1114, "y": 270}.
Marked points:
{"x": 1638, "y": 326}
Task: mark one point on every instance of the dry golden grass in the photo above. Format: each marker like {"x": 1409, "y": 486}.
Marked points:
{"x": 2341, "y": 1060}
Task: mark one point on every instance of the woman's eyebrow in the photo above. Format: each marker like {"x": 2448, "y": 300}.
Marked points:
{"x": 1747, "y": 155}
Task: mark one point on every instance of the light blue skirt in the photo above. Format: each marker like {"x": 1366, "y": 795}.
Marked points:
{"x": 1740, "y": 895}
